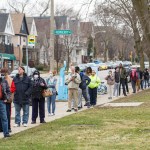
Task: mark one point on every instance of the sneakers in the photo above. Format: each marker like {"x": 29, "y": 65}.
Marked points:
{"x": 49, "y": 114}
{"x": 16, "y": 125}
{"x": 68, "y": 110}
{"x": 7, "y": 135}
{"x": 25, "y": 125}
{"x": 53, "y": 114}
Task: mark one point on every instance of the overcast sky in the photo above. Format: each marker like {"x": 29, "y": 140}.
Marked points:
{"x": 76, "y": 4}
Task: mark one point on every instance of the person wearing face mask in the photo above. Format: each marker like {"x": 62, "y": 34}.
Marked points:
{"x": 110, "y": 81}
{"x": 21, "y": 87}
{"x": 38, "y": 101}
{"x": 51, "y": 82}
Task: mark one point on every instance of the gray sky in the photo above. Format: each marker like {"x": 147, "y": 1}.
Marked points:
{"x": 76, "y": 4}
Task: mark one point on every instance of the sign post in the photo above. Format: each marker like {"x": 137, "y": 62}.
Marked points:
{"x": 31, "y": 40}
{"x": 62, "y": 32}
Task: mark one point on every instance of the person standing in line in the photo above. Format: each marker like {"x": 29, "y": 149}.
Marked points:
{"x": 21, "y": 87}
{"x": 146, "y": 78}
{"x": 38, "y": 101}
{"x": 88, "y": 73}
{"x": 51, "y": 82}
{"x": 133, "y": 77}
{"x": 85, "y": 81}
{"x": 5, "y": 96}
{"x": 110, "y": 81}
{"x": 73, "y": 80}
{"x": 138, "y": 79}
{"x": 95, "y": 82}
{"x": 117, "y": 82}
{"x": 4, "y": 74}
{"x": 122, "y": 72}
{"x": 141, "y": 79}
{"x": 126, "y": 83}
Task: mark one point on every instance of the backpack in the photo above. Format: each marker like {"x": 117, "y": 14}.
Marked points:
{"x": 1, "y": 93}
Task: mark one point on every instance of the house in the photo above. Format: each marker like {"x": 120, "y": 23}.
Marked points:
{"x": 43, "y": 39}
{"x": 32, "y": 48}
{"x": 21, "y": 35}
{"x": 6, "y": 47}
{"x": 86, "y": 31}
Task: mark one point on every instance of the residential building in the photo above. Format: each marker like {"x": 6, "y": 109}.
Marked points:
{"x": 6, "y": 47}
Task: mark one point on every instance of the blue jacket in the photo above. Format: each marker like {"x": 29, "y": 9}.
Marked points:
{"x": 23, "y": 89}
{"x": 85, "y": 81}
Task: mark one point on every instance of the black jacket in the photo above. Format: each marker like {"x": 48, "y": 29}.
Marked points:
{"x": 5, "y": 90}
{"x": 37, "y": 89}
{"x": 23, "y": 89}
{"x": 117, "y": 77}
{"x": 85, "y": 80}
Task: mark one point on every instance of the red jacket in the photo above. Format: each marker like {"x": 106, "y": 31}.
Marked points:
{"x": 12, "y": 88}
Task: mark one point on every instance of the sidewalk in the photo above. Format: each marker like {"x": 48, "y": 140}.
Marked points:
{"x": 61, "y": 108}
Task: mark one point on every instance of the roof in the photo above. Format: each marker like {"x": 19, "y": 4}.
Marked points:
{"x": 29, "y": 22}
{"x": 3, "y": 21}
{"x": 61, "y": 20}
{"x": 17, "y": 21}
{"x": 43, "y": 26}
{"x": 86, "y": 28}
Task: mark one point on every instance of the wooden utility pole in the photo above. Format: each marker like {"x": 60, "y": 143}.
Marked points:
{"x": 52, "y": 35}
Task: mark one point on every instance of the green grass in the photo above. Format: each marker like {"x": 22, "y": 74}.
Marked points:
{"x": 94, "y": 129}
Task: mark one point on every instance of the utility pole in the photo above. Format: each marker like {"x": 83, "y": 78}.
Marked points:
{"x": 52, "y": 35}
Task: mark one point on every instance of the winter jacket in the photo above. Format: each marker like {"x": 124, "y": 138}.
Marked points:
{"x": 133, "y": 75}
{"x": 122, "y": 72}
{"x": 85, "y": 80}
{"x": 110, "y": 80}
{"x": 37, "y": 89}
{"x": 21, "y": 87}
{"x": 117, "y": 77}
{"x": 6, "y": 94}
{"x": 146, "y": 75}
{"x": 73, "y": 84}
{"x": 51, "y": 84}
{"x": 95, "y": 82}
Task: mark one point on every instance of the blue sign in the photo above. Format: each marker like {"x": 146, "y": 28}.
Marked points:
{"x": 62, "y": 88}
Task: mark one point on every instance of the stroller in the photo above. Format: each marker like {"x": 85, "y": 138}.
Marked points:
{"x": 102, "y": 89}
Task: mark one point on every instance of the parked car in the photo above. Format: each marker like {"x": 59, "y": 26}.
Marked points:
{"x": 109, "y": 65}
{"x": 102, "y": 66}
{"x": 97, "y": 61}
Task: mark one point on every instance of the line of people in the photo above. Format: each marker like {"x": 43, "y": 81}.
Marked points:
{"x": 20, "y": 90}
{"x": 81, "y": 84}
{"x": 139, "y": 80}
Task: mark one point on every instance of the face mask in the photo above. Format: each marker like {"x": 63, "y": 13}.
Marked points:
{"x": 2, "y": 76}
{"x": 36, "y": 76}
{"x": 50, "y": 75}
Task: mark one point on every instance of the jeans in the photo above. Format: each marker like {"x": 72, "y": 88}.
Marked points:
{"x": 133, "y": 86}
{"x": 141, "y": 83}
{"x": 3, "y": 116}
{"x": 116, "y": 89}
{"x": 25, "y": 108}
{"x": 8, "y": 110}
{"x": 51, "y": 102}
{"x": 146, "y": 83}
{"x": 122, "y": 82}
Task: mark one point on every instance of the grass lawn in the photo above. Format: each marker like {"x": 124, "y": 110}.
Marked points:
{"x": 93, "y": 129}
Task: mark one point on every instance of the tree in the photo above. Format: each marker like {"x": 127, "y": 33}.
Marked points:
{"x": 142, "y": 8}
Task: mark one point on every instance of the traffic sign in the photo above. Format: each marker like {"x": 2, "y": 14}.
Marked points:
{"x": 31, "y": 40}
{"x": 62, "y": 32}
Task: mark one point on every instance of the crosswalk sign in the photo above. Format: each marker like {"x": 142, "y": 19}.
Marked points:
{"x": 31, "y": 40}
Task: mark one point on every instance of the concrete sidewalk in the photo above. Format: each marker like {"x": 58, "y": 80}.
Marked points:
{"x": 60, "y": 112}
